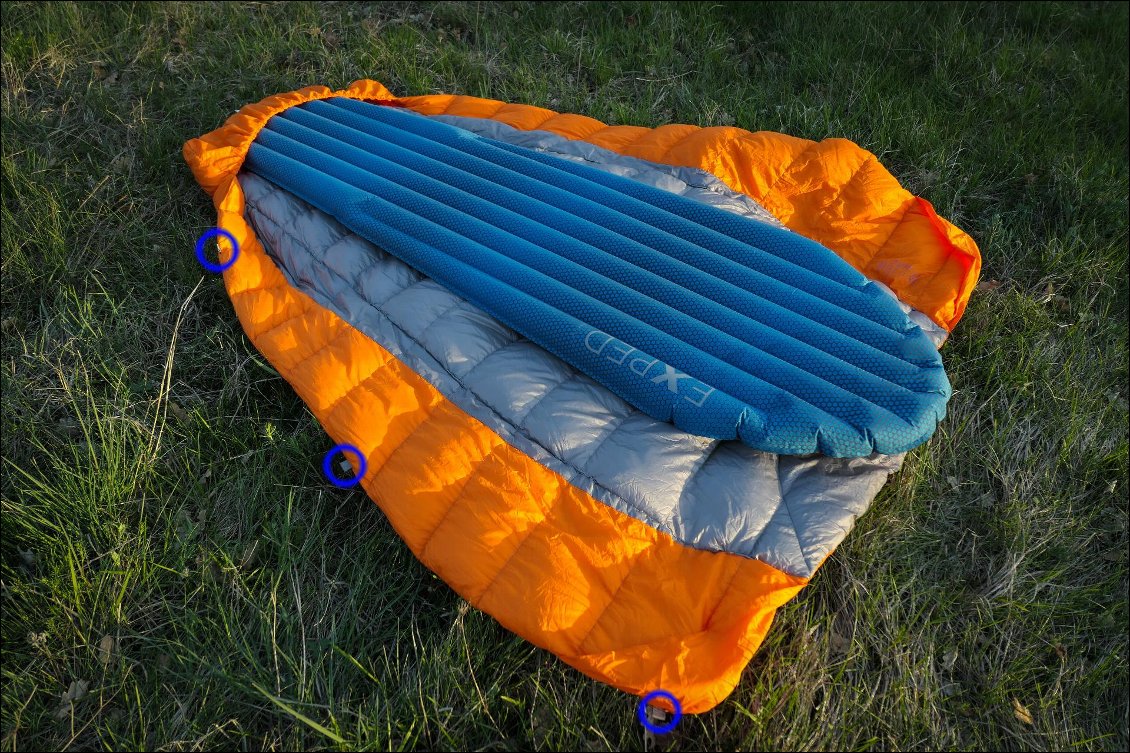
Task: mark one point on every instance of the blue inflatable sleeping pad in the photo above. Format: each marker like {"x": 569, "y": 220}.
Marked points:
{"x": 726, "y": 326}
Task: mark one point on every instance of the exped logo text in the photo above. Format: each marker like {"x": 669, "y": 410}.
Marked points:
{"x": 646, "y": 367}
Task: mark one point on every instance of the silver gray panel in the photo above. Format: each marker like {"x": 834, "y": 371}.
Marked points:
{"x": 718, "y": 496}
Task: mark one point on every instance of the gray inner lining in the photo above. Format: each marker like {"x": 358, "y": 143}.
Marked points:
{"x": 789, "y": 511}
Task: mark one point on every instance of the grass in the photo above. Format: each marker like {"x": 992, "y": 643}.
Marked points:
{"x": 176, "y": 574}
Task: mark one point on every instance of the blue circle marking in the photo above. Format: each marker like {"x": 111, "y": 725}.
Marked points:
{"x": 657, "y": 728}
{"x": 214, "y": 233}
{"x": 327, "y": 466}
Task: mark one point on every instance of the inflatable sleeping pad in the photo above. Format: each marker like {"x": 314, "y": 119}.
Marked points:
{"x": 729, "y": 327}
{"x": 623, "y": 389}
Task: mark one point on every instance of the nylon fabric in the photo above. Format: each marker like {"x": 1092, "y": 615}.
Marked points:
{"x": 609, "y": 594}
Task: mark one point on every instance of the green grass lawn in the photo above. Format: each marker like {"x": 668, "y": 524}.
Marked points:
{"x": 176, "y": 573}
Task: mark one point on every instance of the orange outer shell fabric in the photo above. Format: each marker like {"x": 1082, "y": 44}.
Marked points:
{"x": 610, "y": 595}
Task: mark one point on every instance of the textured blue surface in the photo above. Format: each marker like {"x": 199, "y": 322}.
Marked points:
{"x": 725, "y": 326}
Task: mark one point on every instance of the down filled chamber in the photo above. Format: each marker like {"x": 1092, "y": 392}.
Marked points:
{"x": 545, "y": 335}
